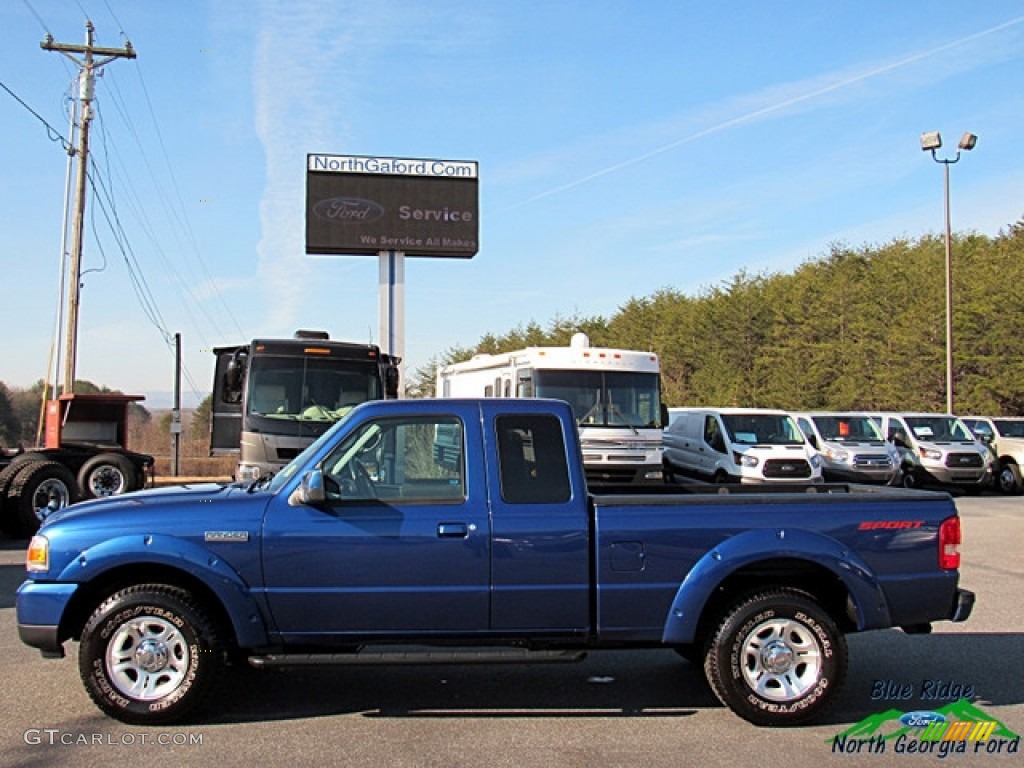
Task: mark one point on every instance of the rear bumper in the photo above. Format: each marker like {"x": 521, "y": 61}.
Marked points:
{"x": 963, "y": 606}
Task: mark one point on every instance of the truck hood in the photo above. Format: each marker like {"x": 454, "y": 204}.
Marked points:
{"x": 203, "y": 501}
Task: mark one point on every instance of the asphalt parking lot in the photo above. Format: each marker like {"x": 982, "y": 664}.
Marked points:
{"x": 614, "y": 709}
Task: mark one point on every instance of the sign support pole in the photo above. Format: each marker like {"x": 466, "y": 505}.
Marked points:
{"x": 391, "y": 304}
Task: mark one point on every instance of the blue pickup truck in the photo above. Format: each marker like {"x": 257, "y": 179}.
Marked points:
{"x": 447, "y": 530}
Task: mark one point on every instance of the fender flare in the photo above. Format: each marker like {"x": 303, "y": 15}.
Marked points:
{"x": 736, "y": 552}
{"x": 205, "y": 566}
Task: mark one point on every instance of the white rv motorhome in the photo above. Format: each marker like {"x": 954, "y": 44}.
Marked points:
{"x": 615, "y": 395}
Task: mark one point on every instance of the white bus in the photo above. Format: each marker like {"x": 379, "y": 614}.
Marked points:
{"x": 614, "y": 393}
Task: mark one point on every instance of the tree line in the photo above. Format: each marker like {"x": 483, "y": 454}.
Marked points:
{"x": 856, "y": 329}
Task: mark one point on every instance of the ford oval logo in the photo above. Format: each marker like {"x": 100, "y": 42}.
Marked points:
{"x": 921, "y": 719}
{"x": 345, "y": 209}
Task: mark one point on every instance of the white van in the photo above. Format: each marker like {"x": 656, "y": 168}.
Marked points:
{"x": 937, "y": 448}
{"x": 851, "y": 447}
{"x": 738, "y": 445}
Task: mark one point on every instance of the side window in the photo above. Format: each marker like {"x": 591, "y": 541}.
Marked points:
{"x": 979, "y": 428}
{"x": 897, "y": 433}
{"x": 713, "y": 434}
{"x": 419, "y": 459}
{"x": 532, "y": 462}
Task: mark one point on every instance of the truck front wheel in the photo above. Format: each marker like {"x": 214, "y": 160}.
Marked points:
{"x": 149, "y": 654}
{"x": 777, "y": 659}
{"x": 1008, "y": 477}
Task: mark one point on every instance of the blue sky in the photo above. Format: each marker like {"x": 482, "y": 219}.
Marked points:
{"x": 623, "y": 147}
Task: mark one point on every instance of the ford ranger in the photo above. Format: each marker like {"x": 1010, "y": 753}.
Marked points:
{"x": 463, "y": 530}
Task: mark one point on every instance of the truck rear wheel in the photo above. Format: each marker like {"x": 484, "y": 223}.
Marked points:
{"x": 38, "y": 489}
{"x": 777, "y": 659}
{"x": 108, "y": 474}
{"x": 149, "y": 654}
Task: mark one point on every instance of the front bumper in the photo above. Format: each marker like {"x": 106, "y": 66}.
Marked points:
{"x": 40, "y": 608}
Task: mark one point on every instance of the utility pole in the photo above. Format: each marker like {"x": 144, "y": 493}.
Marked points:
{"x": 86, "y": 85}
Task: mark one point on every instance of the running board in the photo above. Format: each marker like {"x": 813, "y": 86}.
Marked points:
{"x": 432, "y": 656}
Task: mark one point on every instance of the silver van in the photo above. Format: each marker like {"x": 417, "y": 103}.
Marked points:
{"x": 937, "y": 448}
{"x": 737, "y": 445}
{"x": 851, "y": 447}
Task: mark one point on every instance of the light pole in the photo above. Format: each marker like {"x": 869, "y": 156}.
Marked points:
{"x": 932, "y": 141}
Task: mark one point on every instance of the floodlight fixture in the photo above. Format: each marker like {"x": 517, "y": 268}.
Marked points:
{"x": 931, "y": 141}
{"x": 968, "y": 140}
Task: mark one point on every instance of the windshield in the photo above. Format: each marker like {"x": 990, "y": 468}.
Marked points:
{"x": 289, "y": 470}
{"x": 1009, "y": 427}
{"x": 844, "y": 428}
{"x": 762, "y": 429}
{"x": 938, "y": 428}
{"x": 309, "y": 389}
{"x": 604, "y": 398}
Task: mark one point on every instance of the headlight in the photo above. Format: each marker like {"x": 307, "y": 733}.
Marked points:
{"x": 929, "y": 453}
{"x": 838, "y": 455}
{"x": 744, "y": 459}
{"x": 37, "y": 557}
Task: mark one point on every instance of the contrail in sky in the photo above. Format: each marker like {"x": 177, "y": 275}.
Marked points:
{"x": 768, "y": 110}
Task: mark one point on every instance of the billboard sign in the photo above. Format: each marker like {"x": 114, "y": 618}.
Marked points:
{"x": 365, "y": 205}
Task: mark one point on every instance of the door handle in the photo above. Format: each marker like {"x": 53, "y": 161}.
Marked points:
{"x": 452, "y": 530}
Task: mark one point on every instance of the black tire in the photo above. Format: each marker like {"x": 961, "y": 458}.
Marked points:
{"x": 910, "y": 479}
{"x": 6, "y": 476}
{"x": 1008, "y": 479}
{"x": 108, "y": 474}
{"x": 149, "y": 654}
{"x": 776, "y": 659}
{"x": 38, "y": 489}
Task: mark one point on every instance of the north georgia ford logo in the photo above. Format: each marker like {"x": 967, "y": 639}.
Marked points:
{"x": 344, "y": 209}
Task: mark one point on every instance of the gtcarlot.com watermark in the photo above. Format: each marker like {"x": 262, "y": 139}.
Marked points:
{"x": 56, "y": 737}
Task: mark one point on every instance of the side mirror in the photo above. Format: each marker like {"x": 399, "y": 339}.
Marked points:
{"x": 664, "y": 416}
{"x": 391, "y": 382}
{"x": 310, "y": 492}
{"x": 234, "y": 374}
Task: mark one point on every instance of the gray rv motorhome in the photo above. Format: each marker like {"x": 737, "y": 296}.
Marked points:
{"x": 273, "y": 397}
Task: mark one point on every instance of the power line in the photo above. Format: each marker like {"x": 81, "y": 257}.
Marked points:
{"x": 38, "y": 17}
{"x": 52, "y": 133}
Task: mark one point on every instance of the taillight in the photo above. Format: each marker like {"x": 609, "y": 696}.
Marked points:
{"x": 950, "y": 539}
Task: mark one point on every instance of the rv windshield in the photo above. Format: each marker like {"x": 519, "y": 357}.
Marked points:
{"x": 604, "y": 398}
{"x": 762, "y": 429}
{"x": 844, "y": 428}
{"x": 309, "y": 389}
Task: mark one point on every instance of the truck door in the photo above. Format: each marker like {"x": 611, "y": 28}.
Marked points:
{"x": 402, "y": 543}
{"x": 540, "y": 567}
